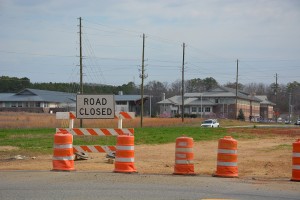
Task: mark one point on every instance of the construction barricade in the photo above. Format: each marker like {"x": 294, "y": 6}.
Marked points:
{"x": 296, "y": 161}
{"x": 96, "y": 132}
{"x": 124, "y": 162}
{"x": 63, "y": 156}
{"x": 184, "y": 156}
{"x": 80, "y": 149}
{"x": 227, "y": 158}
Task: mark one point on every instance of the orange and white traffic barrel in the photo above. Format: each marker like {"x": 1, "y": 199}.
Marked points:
{"x": 296, "y": 161}
{"x": 184, "y": 156}
{"x": 124, "y": 160}
{"x": 227, "y": 158}
{"x": 63, "y": 157}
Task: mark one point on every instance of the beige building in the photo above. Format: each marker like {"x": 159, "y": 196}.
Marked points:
{"x": 217, "y": 103}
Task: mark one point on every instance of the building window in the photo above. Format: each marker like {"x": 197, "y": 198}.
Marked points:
{"x": 121, "y": 102}
{"x": 194, "y": 109}
{"x": 207, "y": 109}
{"x": 37, "y": 104}
{"x": 216, "y": 100}
{"x": 13, "y": 104}
{"x": 200, "y": 110}
{"x": 20, "y": 104}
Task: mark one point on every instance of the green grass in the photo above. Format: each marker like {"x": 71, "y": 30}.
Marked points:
{"x": 41, "y": 140}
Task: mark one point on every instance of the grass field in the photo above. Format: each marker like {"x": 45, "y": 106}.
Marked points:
{"x": 32, "y": 132}
{"x": 41, "y": 139}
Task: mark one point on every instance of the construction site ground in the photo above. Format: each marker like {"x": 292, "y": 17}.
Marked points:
{"x": 268, "y": 157}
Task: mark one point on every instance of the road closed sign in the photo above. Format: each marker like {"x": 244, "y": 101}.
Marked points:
{"x": 95, "y": 106}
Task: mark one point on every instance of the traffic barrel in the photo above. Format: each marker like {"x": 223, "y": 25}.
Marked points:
{"x": 227, "y": 158}
{"x": 296, "y": 161}
{"x": 63, "y": 156}
{"x": 184, "y": 156}
{"x": 124, "y": 161}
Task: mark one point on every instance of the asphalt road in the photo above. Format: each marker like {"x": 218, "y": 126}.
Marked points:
{"x": 105, "y": 185}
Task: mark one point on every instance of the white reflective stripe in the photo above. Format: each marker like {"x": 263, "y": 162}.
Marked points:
{"x": 63, "y": 146}
{"x": 296, "y": 167}
{"x": 183, "y": 144}
{"x": 297, "y": 155}
{"x": 184, "y": 161}
{"x": 178, "y": 155}
{"x": 124, "y": 159}
{"x": 227, "y": 164}
{"x": 63, "y": 158}
{"x": 227, "y": 151}
{"x": 125, "y": 147}
{"x": 184, "y": 149}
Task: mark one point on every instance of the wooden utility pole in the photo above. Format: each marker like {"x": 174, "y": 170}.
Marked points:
{"x": 142, "y": 76}
{"x": 182, "y": 85}
{"x": 80, "y": 63}
{"x": 276, "y": 97}
{"x": 290, "y": 104}
{"x": 236, "y": 89}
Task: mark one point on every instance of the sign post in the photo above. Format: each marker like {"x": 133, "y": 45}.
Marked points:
{"x": 95, "y": 106}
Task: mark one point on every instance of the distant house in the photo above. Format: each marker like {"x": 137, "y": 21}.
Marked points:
{"x": 216, "y": 103}
{"x": 45, "y": 101}
{"x": 266, "y": 108}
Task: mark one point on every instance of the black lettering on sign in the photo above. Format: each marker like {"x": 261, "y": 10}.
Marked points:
{"x": 98, "y": 111}
{"x": 98, "y": 102}
{"x": 103, "y": 111}
{"x": 86, "y": 101}
{"x": 81, "y": 111}
{"x": 104, "y": 101}
{"x": 92, "y": 111}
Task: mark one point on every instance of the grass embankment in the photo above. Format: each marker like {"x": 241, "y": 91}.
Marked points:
{"x": 41, "y": 140}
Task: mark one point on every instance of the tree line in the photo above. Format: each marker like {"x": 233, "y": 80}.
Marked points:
{"x": 286, "y": 96}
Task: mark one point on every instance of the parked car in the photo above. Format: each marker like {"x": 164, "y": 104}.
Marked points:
{"x": 297, "y": 122}
{"x": 213, "y": 123}
{"x": 287, "y": 121}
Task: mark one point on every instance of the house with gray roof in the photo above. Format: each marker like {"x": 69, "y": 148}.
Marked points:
{"x": 45, "y": 101}
{"x": 219, "y": 102}
{"x": 266, "y": 107}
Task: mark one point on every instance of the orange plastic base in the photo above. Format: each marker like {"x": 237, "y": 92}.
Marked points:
{"x": 124, "y": 167}
{"x": 227, "y": 172}
{"x": 183, "y": 169}
{"x": 295, "y": 175}
{"x": 63, "y": 165}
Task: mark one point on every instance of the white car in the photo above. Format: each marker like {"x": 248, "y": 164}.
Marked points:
{"x": 213, "y": 123}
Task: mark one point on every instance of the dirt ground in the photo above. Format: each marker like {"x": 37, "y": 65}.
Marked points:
{"x": 261, "y": 158}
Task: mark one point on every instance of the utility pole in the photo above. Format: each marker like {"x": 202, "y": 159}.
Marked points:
{"x": 80, "y": 62}
{"x": 290, "y": 102}
{"x": 182, "y": 84}
{"x": 276, "y": 97}
{"x": 236, "y": 89}
{"x": 142, "y": 76}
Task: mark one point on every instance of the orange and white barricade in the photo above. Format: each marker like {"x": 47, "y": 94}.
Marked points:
{"x": 296, "y": 161}
{"x": 227, "y": 158}
{"x": 184, "y": 156}
{"x": 63, "y": 157}
{"x": 123, "y": 115}
{"x": 124, "y": 161}
{"x": 97, "y": 131}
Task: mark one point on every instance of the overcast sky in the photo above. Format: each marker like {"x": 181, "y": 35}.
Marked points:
{"x": 40, "y": 40}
